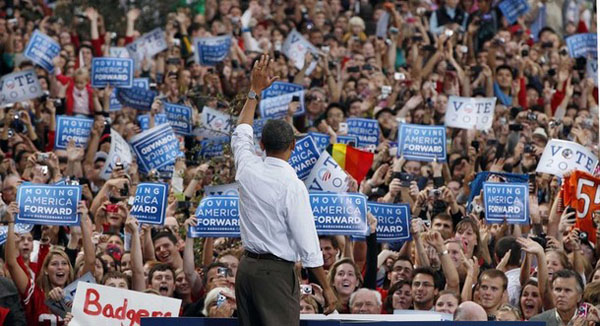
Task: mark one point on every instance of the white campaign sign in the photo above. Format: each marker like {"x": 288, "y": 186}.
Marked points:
{"x": 108, "y": 306}
{"x": 19, "y": 86}
{"x": 327, "y": 175}
{"x": 119, "y": 152}
{"x": 470, "y": 112}
{"x": 561, "y": 156}
{"x": 295, "y": 48}
{"x": 147, "y": 45}
{"x": 216, "y": 120}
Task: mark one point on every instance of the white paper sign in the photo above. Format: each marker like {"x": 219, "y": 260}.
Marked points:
{"x": 218, "y": 121}
{"x": 148, "y": 45}
{"x": 295, "y": 48}
{"x": 327, "y": 175}
{"x": 19, "y": 86}
{"x": 591, "y": 69}
{"x": 470, "y": 112}
{"x": 108, "y": 306}
{"x": 118, "y": 52}
{"x": 561, "y": 156}
{"x": 119, "y": 152}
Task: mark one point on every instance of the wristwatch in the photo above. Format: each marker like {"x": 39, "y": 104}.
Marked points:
{"x": 252, "y": 95}
{"x": 445, "y": 252}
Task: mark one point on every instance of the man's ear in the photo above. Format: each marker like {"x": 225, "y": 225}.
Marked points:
{"x": 292, "y": 145}
{"x": 262, "y": 146}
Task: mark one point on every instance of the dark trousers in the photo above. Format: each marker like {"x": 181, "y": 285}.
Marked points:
{"x": 267, "y": 293}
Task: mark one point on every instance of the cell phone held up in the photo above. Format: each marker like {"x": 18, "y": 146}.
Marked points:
{"x": 405, "y": 178}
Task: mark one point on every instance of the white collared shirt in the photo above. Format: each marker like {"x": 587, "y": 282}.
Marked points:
{"x": 275, "y": 212}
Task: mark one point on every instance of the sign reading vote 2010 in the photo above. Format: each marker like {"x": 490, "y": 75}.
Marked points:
{"x": 48, "y": 204}
{"x": 508, "y": 201}
{"x": 42, "y": 49}
{"x": 393, "y": 221}
{"x": 470, "y": 112}
{"x": 422, "y": 143}
{"x": 339, "y": 214}
{"x": 150, "y": 203}
{"x": 112, "y": 71}
{"x": 218, "y": 216}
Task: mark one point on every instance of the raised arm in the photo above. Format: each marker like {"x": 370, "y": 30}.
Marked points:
{"x": 19, "y": 277}
{"x": 189, "y": 267}
{"x": 86, "y": 234}
{"x": 137, "y": 265}
{"x": 260, "y": 78}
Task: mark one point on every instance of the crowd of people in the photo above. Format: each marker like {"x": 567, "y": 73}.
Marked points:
{"x": 455, "y": 263}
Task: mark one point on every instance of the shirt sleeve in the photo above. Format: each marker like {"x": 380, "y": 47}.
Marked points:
{"x": 433, "y": 25}
{"x": 302, "y": 227}
{"x": 242, "y": 145}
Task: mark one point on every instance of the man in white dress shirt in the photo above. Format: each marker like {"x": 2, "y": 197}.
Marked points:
{"x": 276, "y": 221}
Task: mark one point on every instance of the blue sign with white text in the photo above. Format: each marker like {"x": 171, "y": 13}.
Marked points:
{"x": 583, "y": 45}
{"x": 276, "y": 98}
{"x": 393, "y": 221}
{"x": 136, "y": 97}
{"x": 339, "y": 213}
{"x": 513, "y": 9}
{"x": 218, "y": 216}
{"x": 42, "y": 49}
{"x": 68, "y": 128}
{"x": 144, "y": 120}
{"x": 48, "y": 205}
{"x": 150, "y": 203}
{"x": 213, "y": 147}
{"x": 179, "y": 117}
{"x": 156, "y": 147}
{"x": 115, "y": 105}
{"x": 508, "y": 201}
{"x": 323, "y": 140}
{"x": 116, "y": 72}
{"x": 366, "y": 130}
{"x": 212, "y": 50}
{"x": 422, "y": 143}
{"x": 257, "y": 128}
{"x": 304, "y": 156}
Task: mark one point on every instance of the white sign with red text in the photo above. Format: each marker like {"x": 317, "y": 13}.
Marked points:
{"x": 102, "y": 305}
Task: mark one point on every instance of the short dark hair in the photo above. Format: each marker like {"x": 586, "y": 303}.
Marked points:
{"x": 504, "y": 245}
{"x": 494, "y": 273}
{"x": 160, "y": 267}
{"x": 117, "y": 275}
{"x": 428, "y": 271}
{"x": 569, "y": 273}
{"x": 208, "y": 268}
{"x": 277, "y": 136}
{"x": 165, "y": 234}
{"x": 506, "y": 67}
{"x": 334, "y": 243}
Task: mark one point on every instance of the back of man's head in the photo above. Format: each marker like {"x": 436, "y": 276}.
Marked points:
{"x": 504, "y": 245}
{"x": 277, "y": 136}
{"x": 470, "y": 311}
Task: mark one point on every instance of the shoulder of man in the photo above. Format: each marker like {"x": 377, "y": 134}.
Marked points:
{"x": 7, "y": 288}
{"x": 544, "y": 316}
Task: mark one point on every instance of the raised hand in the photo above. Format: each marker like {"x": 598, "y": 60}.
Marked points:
{"x": 261, "y": 76}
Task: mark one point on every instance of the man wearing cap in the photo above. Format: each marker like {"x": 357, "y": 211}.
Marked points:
{"x": 276, "y": 221}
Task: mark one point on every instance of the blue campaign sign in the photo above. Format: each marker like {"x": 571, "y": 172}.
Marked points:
{"x": 68, "y": 128}
{"x": 115, "y": 105}
{"x": 156, "y": 147}
{"x": 257, "y": 127}
{"x": 276, "y": 98}
{"x": 422, "y": 143}
{"x": 513, "y": 9}
{"x": 393, "y": 221}
{"x": 144, "y": 120}
{"x": 116, "y": 72}
{"x": 304, "y": 156}
{"x": 320, "y": 139}
{"x": 212, "y": 50}
{"x": 366, "y": 130}
{"x": 48, "y": 204}
{"x": 214, "y": 147}
{"x": 141, "y": 83}
{"x": 136, "y": 97}
{"x": 583, "y": 45}
{"x": 42, "y": 49}
{"x": 150, "y": 203}
{"x": 508, "y": 201}
{"x": 218, "y": 216}
{"x": 179, "y": 117}
{"x": 339, "y": 213}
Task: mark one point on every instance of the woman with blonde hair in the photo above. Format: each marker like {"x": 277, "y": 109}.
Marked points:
{"x": 55, "y": 273}
{"x": 344, "y": 278}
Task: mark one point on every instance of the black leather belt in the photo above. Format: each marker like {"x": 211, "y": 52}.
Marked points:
{"x": 264, "y": 256}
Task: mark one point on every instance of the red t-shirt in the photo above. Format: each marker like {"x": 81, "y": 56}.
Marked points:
{"x": 36, "y": 311}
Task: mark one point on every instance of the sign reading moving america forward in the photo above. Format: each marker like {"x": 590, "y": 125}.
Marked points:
{"x": 48, "y": 204}
{"x": 156, "y": 147}
{"x": 42, "y": 50}
{"x": 339, "y": 214}
{"x": 218, "y": 216}
{"x": 508, "y": 201}
{"x": 422, "y": 143}
{"x": 68, "y": 128}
